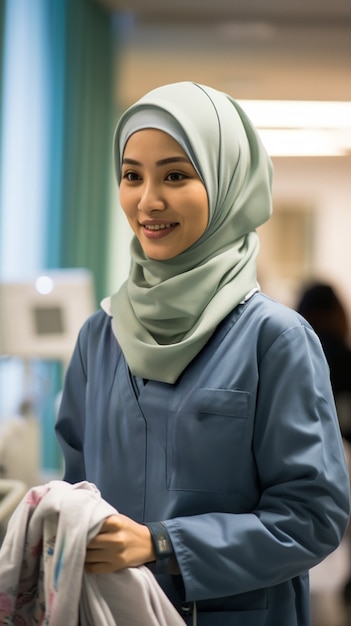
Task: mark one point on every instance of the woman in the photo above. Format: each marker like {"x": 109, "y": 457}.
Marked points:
{"x": 321, "y": 306}
{"x": 199, "y": 407}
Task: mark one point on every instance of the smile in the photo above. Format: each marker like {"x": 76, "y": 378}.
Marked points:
{"x": 158, "y": 226}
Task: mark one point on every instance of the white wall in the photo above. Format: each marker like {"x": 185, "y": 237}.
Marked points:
{"x": 324, "y": 185}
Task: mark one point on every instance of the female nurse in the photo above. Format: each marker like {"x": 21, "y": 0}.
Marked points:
{"x": 201, "y": 408}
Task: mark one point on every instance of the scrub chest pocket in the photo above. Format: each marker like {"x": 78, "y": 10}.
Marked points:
{"x": 204, "y": 440}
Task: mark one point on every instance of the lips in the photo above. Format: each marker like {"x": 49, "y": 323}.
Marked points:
{"x": 158, "y": 231}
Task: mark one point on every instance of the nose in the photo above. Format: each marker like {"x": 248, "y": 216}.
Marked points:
{"x": 151, "y": 198}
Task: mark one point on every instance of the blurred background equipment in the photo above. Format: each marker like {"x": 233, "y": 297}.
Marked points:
{"x": 39, "y": 323}
{"x": 40, "y": 317}
{"x": 11, "y": 493}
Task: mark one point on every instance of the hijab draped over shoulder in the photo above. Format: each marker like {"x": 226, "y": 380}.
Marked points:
{"x": 166, "y": 311}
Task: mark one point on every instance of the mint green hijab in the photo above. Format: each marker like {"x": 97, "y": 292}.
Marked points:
{"x": 166, "y": 311}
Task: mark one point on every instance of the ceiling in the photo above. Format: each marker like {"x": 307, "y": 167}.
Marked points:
{"x": 297, "y": 50}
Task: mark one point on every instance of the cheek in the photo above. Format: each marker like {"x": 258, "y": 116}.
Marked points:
{"x": 126, "y": 204}
{"x": 204, "y": 213}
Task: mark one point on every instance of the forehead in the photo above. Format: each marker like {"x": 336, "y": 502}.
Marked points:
{"x": 151, "y": 140}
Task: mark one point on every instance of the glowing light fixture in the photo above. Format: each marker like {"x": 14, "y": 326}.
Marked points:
{"x": 44, "y": 284}
{"x": 302, "y": 128}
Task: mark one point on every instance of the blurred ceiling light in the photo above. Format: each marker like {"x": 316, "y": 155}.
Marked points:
{"x": 305, "y": 142}
{"x": 302, "y": 128}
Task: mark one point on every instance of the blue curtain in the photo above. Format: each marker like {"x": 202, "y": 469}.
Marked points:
{"x": 81, "y": 63}
{"x": 81, "y": 117}
{"x": 60, "y": 113}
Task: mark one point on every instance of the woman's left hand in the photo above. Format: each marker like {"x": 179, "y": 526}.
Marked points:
{"x": 120, "y": 543}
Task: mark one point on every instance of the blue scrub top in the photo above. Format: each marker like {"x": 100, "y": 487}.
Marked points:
{"x": 242, "y": 458}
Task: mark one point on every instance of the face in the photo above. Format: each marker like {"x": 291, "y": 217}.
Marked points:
{"x": 162, "y": 195}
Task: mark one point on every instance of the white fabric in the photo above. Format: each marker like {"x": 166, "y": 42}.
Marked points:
{"x": 42, "y": 577}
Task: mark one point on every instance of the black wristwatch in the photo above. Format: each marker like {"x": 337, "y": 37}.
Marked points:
{"x": 162, "y": 545}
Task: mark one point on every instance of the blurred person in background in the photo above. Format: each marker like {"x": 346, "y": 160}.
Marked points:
{"x": 322, "y": 307}
{"x": 201, "y": 408}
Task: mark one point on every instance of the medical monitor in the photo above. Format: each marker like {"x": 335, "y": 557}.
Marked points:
{"x": 41, "y": 317}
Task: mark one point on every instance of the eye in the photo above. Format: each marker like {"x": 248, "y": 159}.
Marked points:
{"x": 130, "y": 176}
{"x": 175, "y": 176}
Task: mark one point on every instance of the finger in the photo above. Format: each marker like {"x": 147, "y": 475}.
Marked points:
{"x": 100, "y": 568}
{"x": 110, "y": 524}
{"x": 103, "y": 536}
{"x": 106, "y": 541}
{"x": 98, "y": 542}
{"x": 96, "y": 556}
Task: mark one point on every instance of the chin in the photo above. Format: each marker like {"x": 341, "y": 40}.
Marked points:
{"x": 160, "y": 257}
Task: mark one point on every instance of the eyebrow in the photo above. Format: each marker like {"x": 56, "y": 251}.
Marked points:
{"x": 175, "y": 159}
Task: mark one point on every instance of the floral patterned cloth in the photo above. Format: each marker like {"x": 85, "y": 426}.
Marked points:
{"x": 42, "y": 578}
